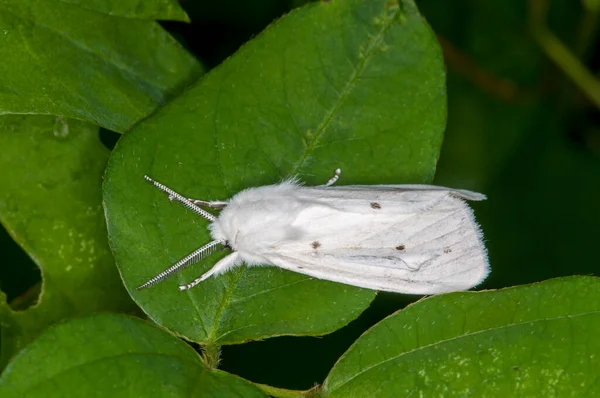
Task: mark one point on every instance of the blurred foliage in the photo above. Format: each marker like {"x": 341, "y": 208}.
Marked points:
{"x": 521, "y": 131}
{"x": 523, "y": 127}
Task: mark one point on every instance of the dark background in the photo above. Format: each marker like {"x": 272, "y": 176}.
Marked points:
{"x": 519, "y": 130}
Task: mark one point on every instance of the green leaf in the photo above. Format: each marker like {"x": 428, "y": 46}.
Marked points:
{"x": 117, "y": 356}
{"x": 139, "y": 9}
{"x": 535, "y": 340}
{"x": 50, "y": 202}
{"x": 351, "y": 84}
{"x": 61, "y": 59}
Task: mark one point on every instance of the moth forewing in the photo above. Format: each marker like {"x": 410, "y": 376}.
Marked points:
{"x": 433, "y": 250}
{"x": 418, "y": 239}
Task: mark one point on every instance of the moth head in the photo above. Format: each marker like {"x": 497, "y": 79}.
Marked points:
{"x": 218, "y": 233}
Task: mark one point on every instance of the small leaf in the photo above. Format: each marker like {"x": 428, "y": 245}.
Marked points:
{"x": 61, "y": 59}
{"x": 351, "y": 84}
{"x": 117, "y": 356}
{"x": 50, "y": 202}
{"x": 535, "y": 340}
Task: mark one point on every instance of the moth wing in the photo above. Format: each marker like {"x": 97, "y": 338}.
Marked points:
{"x": 388, "y": 199}
{"x": 418, "y": 189}
{"x": 434, "y": 245}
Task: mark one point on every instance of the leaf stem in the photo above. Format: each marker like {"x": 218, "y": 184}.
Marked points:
{"x": 561, "y": 55}
{"x": 211, "y": 355}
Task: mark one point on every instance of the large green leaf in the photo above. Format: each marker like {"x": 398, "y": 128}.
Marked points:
{"x": 114, "y": 356}
{"x": 353, "y": 84}
{"x": 50, "y": 202}
{"x": 538, "y": 340}
{"x": 61, "y": 59}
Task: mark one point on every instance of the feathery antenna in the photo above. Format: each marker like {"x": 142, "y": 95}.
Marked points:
{"x": 182, "y": 200}
{"x": 192, "y": 258}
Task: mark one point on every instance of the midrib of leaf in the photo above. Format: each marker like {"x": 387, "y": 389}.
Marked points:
{"x": 373, "y": 42}
{"x": 224, "y": 302}
{"x": 457, "y": 338}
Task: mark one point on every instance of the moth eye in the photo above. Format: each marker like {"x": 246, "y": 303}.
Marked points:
{"x": 315, "y": 245}
{"x": 447, "y": 250}
{"x": 400, "y": 247}
{"x": 375, "y": 205}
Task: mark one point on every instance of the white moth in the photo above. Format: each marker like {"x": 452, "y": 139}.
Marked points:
{"x": 418, "y": 239}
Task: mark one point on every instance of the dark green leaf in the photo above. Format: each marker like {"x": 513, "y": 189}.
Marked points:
{"x": 114, "y": 356}
{"x": 61, "y": 59}
{"x": 50, "y": 202}
{"x": 537, "y": 340}
{"x": 351, "y": 84}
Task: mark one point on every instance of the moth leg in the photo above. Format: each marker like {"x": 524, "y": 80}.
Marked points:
{"x": 220, "y": 267}
{"x": 215, "y": 204}
{"x": 332, "y": 180}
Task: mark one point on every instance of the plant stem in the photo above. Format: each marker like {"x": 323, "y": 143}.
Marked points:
{"x": 561, "y": 55}
{"x": 211, "y": 356}
{"x": 283, "y": 393}
{"x": 570, "y": 65}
